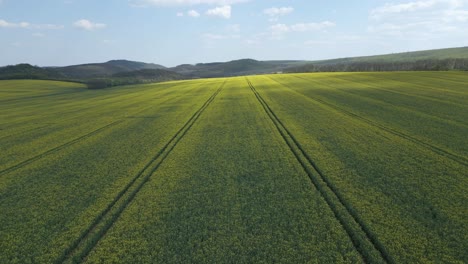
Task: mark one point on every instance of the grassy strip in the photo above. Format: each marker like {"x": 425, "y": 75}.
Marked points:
{"x": 348, "y": 218}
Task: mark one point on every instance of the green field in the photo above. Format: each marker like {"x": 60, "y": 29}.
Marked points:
{"x": 294, "y": 168}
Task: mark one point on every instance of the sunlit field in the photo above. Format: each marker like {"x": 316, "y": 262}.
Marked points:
{"x": 320, "y": 168}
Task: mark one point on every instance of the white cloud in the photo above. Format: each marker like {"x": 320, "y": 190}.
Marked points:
{"x": 278, "y": 11}
{"x": 221, "y": 11}
{"x": 278, "y": 31}
{"x": 301, "y": 27}
{"x": 6, "y": 24}
{"x": 456, "y": 15}
{"x": 193, "y": 13}
{"x": 418, "y": 19}
{"x": 400, "y": 8}
{"x": 27, "y": 25}
{"x": 143, "y": 3}
{"x": 412, "y": 30}
{"x": 88, "y": 25}
{"x": 416, "y": 7}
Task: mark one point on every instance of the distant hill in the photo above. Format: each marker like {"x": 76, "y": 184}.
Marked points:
{"x": 233, "y": 68}
{"x": 27, "y": 71}
{"x": 95, "y": 75}
{"x": 439, "y": 59}
{"x": 117, "y": 72}
{"x": 99, "y": 70}
{"x": 134, "y": 77}
{"x": 150, "y": 74}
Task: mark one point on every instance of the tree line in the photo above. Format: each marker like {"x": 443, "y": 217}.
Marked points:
{"x": 365, "y": 66}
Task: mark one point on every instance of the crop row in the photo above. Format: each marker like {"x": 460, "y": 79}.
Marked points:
{"x": 52, "y": 128}
{"x": 363, "y": 239}
{"x": 230, "y": 192}
{"x": 88, "y": 239}
{"x": 444, "y": 152}
{"x": 408, "y": 194}
{"x": 298, "y": 168}
{"x": 441, "y": 124}
{"x": 50, "y": 202}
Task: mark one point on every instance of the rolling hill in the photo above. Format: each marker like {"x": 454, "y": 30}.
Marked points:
{"x": 27, "y": 71}
{"x": 99, "y": 70}
{"x": 427, "y": 60}
{"x": 234, "y": 68}
{"x": 439, "y": 54}
{"x": 150, "y": 74}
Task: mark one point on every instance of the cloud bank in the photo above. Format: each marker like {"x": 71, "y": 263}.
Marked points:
{"x": 88, "y": 25}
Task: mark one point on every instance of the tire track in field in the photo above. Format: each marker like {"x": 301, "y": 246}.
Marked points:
{"x": 80, "y": 248}
{"x": 429, "y": 98}
{"x": 42, "y": 95}
{"x": 91, "y": 109}
{"x": 438, "y": 78}
{"x": 23, "y": 132}
{"x": 363, "y": 239}
{"x": 52, "y": 150}
{"x": 452, "y": 156}
{"x": 78, "y": 108}
{"x": 69, "y": 143}
{"x": 416, "y": 110}
{"x": 391, "y": 104}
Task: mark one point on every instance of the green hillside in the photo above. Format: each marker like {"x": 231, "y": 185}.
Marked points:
{"x": 234, "y": 68}
{"x": 97, "y": 75}
{"x": 134, "y": 77}
{"x": 150, "y": 74}
{"x": 27, "y": 71}
{"x": 438, "y": 54}
{"x": 428, "y": 60}
{"x": 97, "y": 70}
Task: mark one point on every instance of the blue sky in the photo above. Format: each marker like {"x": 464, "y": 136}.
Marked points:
{"x": 172, "y": 32}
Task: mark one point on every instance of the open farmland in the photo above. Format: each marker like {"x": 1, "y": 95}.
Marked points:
{"x": 298, "y": 168}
